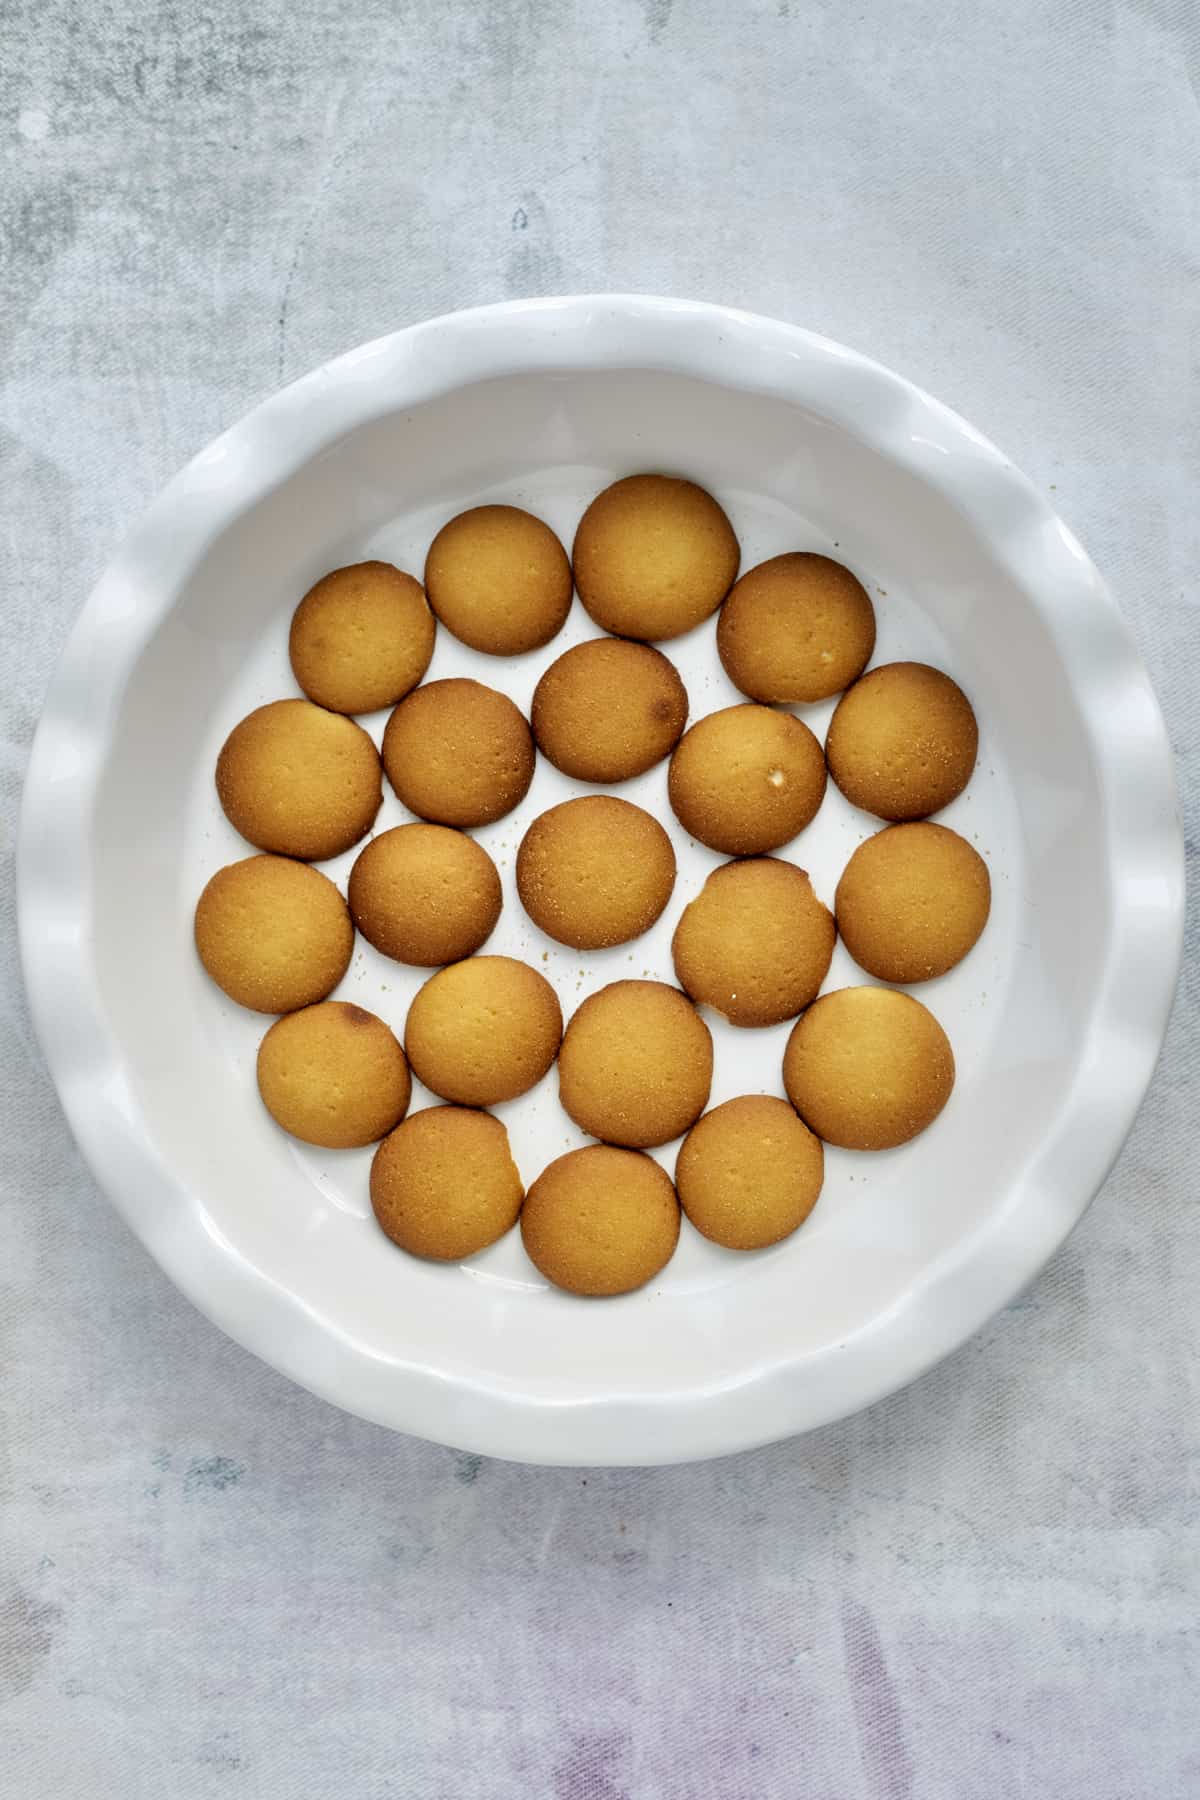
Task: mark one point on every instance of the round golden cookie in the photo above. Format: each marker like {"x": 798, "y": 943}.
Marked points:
{"x": 298, "y": 780}
{"x": 749, "y": 1172}
{"x": 425, "y": 894}
{"x": 483, "y": 1030}
{"x": 797, "y": 628}
{"x": 361, "y": 638}
{"x": 746, "y": 779}
{"x": 458, "y": 753}
{"x": 595, "y": 872}
{"x": 902, "y": 741}
{"x": 608, "y": 710}
{"x": 333, "y": 1075}
{"x": 600, "y": 1221}
{"x": 868, "y": 1068}
{"x": 653, "y": 556}
{"x": 755, "y": 943}
{"x": 273, "y": 933}
{"x": 444, "y": 1184}
{"x": 635, "y": 1066}
{"x": 912, "y": 901}
{"x": 499, "y": 580}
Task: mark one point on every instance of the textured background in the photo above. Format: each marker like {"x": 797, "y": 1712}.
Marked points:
{"x": 211, "y": 1584}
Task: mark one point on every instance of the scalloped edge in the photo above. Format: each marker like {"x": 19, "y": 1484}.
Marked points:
{"x": 1129, "y": 742}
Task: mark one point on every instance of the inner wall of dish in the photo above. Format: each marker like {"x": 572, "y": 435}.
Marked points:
{"x": 1014, "y": 1009}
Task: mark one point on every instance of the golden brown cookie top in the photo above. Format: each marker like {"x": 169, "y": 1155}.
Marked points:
{"x": 499, "y": 579}
{"x": 635, "y": 1065}
{"x": 595, "y": 872}
{"x": 608, "y": 710}
{"x": 361, "y": 638}
{"x": 298, "y": 780}
{"x": 601, "y": 1221}
{"x": 749, "y": 1172}
{"x": 653, "y": 556}
{"x": 333, "y": 1075}
{"x": 274, "y": 934}
{"x": 458, "y": 753}
{"x": 483, "y": 1030}
{"x": 868, "y": 1068}
{"x": 755, "y": 943}
{"x": 797, "y": 628}
{"x": 902, "y": 742}
{"x": 444, "y": 1184}
{"x": 746, "y": 779}
{"x": 425, "y": 894}
{"x": 912, "y": 901}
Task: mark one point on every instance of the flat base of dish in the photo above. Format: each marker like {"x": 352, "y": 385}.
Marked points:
{"x": 871, "y": 1206}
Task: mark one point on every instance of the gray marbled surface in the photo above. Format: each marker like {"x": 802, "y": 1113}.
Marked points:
{"x": 211, "y": 1584}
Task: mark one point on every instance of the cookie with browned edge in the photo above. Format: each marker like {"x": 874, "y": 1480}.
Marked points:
{"x": 903, "y": 741}
{"x": 483, "y": 1030}
{"x": 444, "y": 1184}
{"x": 653, "y": 556}
{"x": 755, "y": 943}
{"x": 601, "y": 1221}
{"x": 499, "y": 579}
{"x": 749, "y": 1172}
{"x": 912, "y": 901}
{"x": 425, "y": 894}
{"x": 746, "y": 779}
{"x": 273, "y": 933}
{"x": 298, "y": 780}
{"x": 458, "y": 753}
{"x": 635, "y": 1067}
{"x": 333, "y": 1075}
{"x": 796, "y": 629}
{"x": 595, "y": 871}
{"x": 608, "y": 709}
{"x": 361, "y": 638}
{"x": 868, "y": 1068}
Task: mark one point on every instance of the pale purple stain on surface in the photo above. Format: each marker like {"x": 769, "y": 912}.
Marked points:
{"x": 590, "y": 1770}
{"x": 27, "y": 1627}
{"x": 878, "y": 1714}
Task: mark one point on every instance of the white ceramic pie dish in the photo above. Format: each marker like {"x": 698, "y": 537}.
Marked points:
{"x": 1056, "y": 1017}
